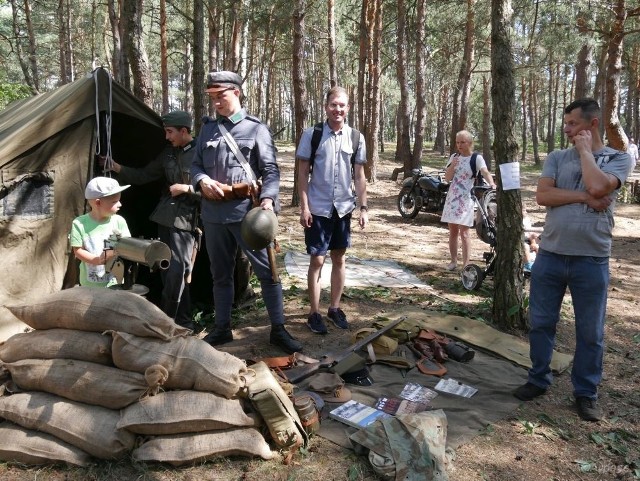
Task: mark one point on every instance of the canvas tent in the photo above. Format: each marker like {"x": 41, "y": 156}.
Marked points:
{"x": 48, "y": 147}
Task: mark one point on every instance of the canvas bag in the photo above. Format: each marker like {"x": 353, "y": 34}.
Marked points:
{"x": 176, "y": 412}
{"x": 25, "y": 446}
{"x": 57, "y": 344}
{"x": 90, "y": 428}
{"x": 190, "y": 362}
{"x": 191, "y": 448}
{"x": 86, "y": 382}
{"x": 98, "y": 310}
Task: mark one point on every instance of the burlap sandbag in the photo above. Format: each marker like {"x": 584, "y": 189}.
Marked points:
{"x": 91, "y": 428}
{"x": 20, "y": 445}
{"x": 57, "y": 344}
{"x": 86, "y": 382}
{"x": 98, "y": 310}
{"x": 191, "y": 362}
{"x": 181, "y": 449}
{"x": 176, "y": 412}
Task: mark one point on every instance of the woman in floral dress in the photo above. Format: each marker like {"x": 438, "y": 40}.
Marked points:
{"x": 458, "y": 207}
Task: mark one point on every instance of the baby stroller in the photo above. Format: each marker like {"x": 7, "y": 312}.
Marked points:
{"x": 486, "y": 214}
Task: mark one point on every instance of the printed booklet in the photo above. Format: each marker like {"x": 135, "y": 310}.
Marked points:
{"x": 357, "y": 414}
{"x": 417, "y": 393}
{"x": 394, "y": 405}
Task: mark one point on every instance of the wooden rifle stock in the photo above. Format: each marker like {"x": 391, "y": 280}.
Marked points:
{"x": 297, "y": 374}
{"x": 271, "y": 252}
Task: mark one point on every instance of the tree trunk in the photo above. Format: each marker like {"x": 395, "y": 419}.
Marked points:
{"x": 233, "y": 59}
{"x": 164, "y": 72}
{"x": 533, "y": 118}
{"x": 421, "y": 105}
{"x": 403, "y": 146}
{"x": 486, "y": 122}
{"x": 200, "y": 98}
{"x": 213, "y": 25}
{"x": 615, "y": 134}
{"x": 299, "y": 82}
{"x": 24, "y": 66}
{"x": 553, "y": 112}
{"x": 119, "y": 64}
{"x": 333, "y": 51}
{"x": 372, "y": 126}
{"x": 440, "y": 144}
{"x": 140, "y": 69}
{"x": 358, "y": 101}
{"x": 508, "y": 292}
{"x": 32, "y": 49}
{"x": 61, "y": 15}
{"x": 463, "y": 86}
{"x": 523, "y": 128}
{"x": 582, "y": 71}
{"x": 634, "y": 85}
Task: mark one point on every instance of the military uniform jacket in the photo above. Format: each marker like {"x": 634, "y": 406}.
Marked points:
{"x": 214, "y": 159}
{"x": 174, "y": 165}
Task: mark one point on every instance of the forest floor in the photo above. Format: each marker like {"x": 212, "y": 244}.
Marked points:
{"x": 541, "y": 440}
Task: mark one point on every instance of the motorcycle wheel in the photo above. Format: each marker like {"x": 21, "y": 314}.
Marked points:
{"x": 409, "y": 204}
{"x": 472, "y": 277}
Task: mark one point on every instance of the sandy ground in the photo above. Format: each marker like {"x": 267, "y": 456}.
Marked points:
{"x": 543, "y": 440}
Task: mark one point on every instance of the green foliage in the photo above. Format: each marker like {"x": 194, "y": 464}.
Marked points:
{"x": 529, "y": 427}
{"x": 616, "y": 442}
{"x": 11, "y": 92}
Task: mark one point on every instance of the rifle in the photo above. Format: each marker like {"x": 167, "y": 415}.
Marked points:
{"x": 329, "y": 361}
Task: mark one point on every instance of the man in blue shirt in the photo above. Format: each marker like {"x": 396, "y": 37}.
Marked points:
{"x": 327, "y": 201}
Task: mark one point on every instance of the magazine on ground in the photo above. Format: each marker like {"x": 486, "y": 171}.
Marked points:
{"x": 394, "y": 405}
{"x": 357, "y": 414}
{"x": 415, "y": 392}
{"x": 452, "y": 386}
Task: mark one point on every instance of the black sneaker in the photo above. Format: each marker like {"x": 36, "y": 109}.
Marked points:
{"x": 338, "y": 317}
{"x": 588, "y": 409}
{"x": 528, "y": 391}
{"x": 280, "y": 337}
{"x": 316, "y": 324}
{"x": 219, "y": 335}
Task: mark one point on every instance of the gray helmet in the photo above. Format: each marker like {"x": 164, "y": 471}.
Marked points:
{"x": 259, "y": 227}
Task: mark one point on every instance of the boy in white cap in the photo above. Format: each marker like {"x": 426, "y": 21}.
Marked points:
{"x": 89, "y": 231}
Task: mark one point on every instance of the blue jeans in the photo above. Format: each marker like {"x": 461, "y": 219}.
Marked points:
{"x": 587, "y": 279}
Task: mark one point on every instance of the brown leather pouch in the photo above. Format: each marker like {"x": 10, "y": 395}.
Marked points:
{"x": 241, "y": 190}
{"x": 227, "y": 191}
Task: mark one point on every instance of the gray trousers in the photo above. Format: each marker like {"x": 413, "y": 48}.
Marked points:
{"x": 222, "y": 241}
{"x": 176, "y": 299}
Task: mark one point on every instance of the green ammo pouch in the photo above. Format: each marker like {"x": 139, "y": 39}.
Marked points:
{"x": 403, "y": 332}
{"x": 275, "y": 407}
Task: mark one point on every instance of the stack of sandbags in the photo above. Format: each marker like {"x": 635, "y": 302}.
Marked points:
{"x": 70, "y": 393}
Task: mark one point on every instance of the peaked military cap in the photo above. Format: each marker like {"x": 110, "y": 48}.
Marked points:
{"x": 218, "y": 81}
{"x": 177, "y": 118}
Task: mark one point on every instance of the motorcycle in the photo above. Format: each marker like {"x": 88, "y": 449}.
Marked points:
{"x": 425, "y": 191}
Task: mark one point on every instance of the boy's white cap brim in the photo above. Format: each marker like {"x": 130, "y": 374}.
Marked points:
{"x": 100, "y": 187}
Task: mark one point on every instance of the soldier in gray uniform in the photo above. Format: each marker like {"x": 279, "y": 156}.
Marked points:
{"x": 215, "y": 172}
{"x": 177, "y": 212}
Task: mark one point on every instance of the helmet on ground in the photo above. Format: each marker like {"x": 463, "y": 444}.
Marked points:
{"x": 259, "y": 227}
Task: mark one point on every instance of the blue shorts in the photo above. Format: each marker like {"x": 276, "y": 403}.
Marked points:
{"x": 327, "y": 234}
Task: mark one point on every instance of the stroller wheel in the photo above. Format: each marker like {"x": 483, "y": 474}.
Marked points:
{"x": 472, "y": 277}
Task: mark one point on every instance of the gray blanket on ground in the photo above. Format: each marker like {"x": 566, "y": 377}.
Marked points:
{"x": 494, "y": 378}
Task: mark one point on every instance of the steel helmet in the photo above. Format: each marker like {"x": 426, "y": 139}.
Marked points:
{"x": 258, "y": 228}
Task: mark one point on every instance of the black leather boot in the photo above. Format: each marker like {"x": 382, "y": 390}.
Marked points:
{"x": 219, "y": 335}
{"x": 285, "y": 341}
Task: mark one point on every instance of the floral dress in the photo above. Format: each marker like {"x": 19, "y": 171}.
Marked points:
{"x": 458, "y": 207}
